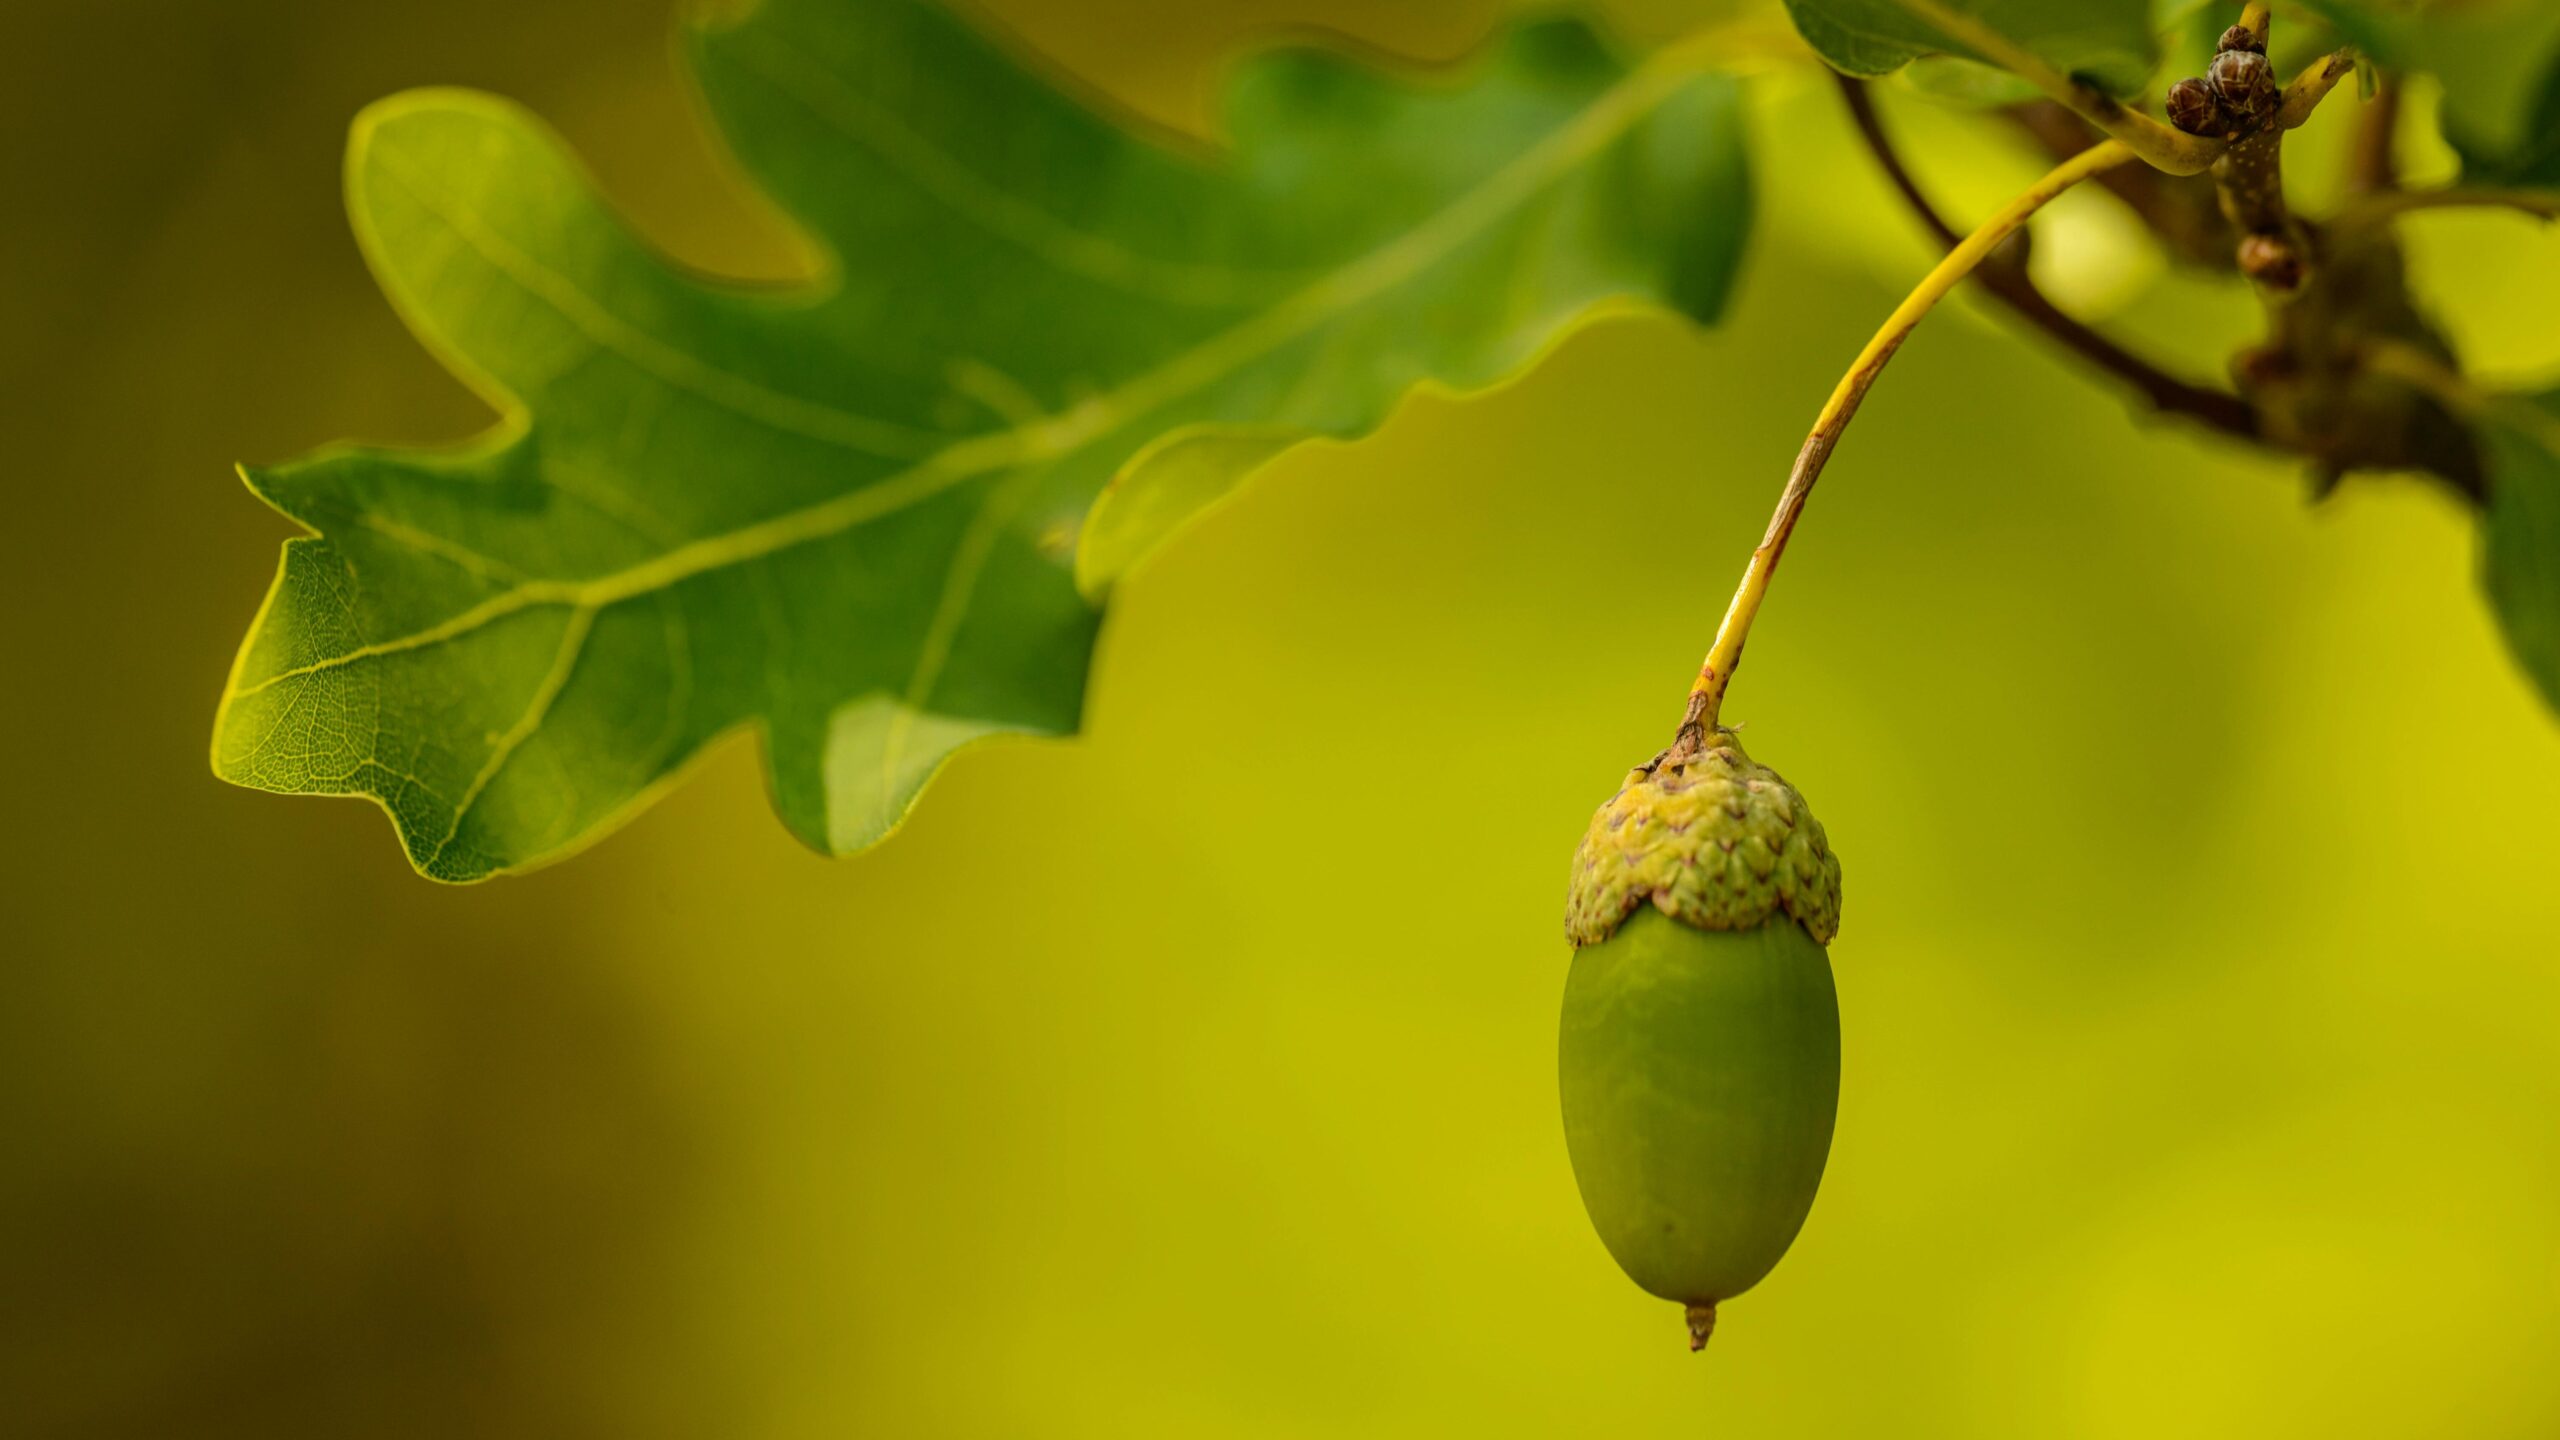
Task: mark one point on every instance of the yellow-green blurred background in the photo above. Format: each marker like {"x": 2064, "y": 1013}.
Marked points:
{"x": 1194, "y": 1077}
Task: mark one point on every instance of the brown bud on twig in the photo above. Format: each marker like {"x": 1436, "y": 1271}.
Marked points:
{"x": 2241, "y": 37}
{"x": 2193, "y": 109}
{"x": 2246, "y": 86}
{"x": 2271, "y": 260}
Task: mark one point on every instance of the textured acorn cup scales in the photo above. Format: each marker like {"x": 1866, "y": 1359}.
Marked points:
{"x": 1714, "y": 840}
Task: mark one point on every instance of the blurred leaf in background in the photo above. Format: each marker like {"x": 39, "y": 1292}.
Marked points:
{"x": 2498, "y": 62}
{"x": 2520, "y": 537}
{"x": 1153, "y": 1084}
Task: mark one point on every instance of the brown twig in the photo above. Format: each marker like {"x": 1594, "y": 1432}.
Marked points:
{"x": 2219, "y": 409}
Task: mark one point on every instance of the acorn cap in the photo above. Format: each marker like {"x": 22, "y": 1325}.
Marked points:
{"x": 1714, "y": 840}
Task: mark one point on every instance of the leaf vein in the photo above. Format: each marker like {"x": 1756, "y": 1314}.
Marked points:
{"x": 573, "y": 644}
{"x": 950, "y": 610}
{"x": 1052, "y": 239}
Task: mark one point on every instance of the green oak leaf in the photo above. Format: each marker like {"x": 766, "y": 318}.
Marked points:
{"x": 2499, "y": 62}
{"x": 2533, "y": 160}
{"x": 2107, "y": 42}
{"x": 847, "y": 513}
{"x": 2520, "y": 533}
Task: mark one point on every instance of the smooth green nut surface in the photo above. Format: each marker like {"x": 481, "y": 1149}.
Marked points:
{"x": 1700, "y": 1073}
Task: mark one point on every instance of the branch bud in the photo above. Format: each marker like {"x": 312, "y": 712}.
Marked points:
{"x": 2246, "y": 86}
{"x": 2193, "y": 109}
{"x": 2272, "y": 261}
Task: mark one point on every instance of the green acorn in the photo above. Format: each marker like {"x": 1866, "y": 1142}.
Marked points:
{"x": 1700, "y": 1049}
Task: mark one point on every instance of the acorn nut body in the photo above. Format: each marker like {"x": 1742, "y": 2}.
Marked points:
{"x": 1699, "y": 1054}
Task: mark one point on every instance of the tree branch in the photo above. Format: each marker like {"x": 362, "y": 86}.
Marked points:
{"x": 2452, "y": 391}
{"x": 2219, "y": 409}
{"x": 2372, "y": 209}
{"x": 2313, "y": 86}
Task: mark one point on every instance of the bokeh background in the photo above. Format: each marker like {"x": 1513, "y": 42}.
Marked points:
{"x": 1194, "y": 1077}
